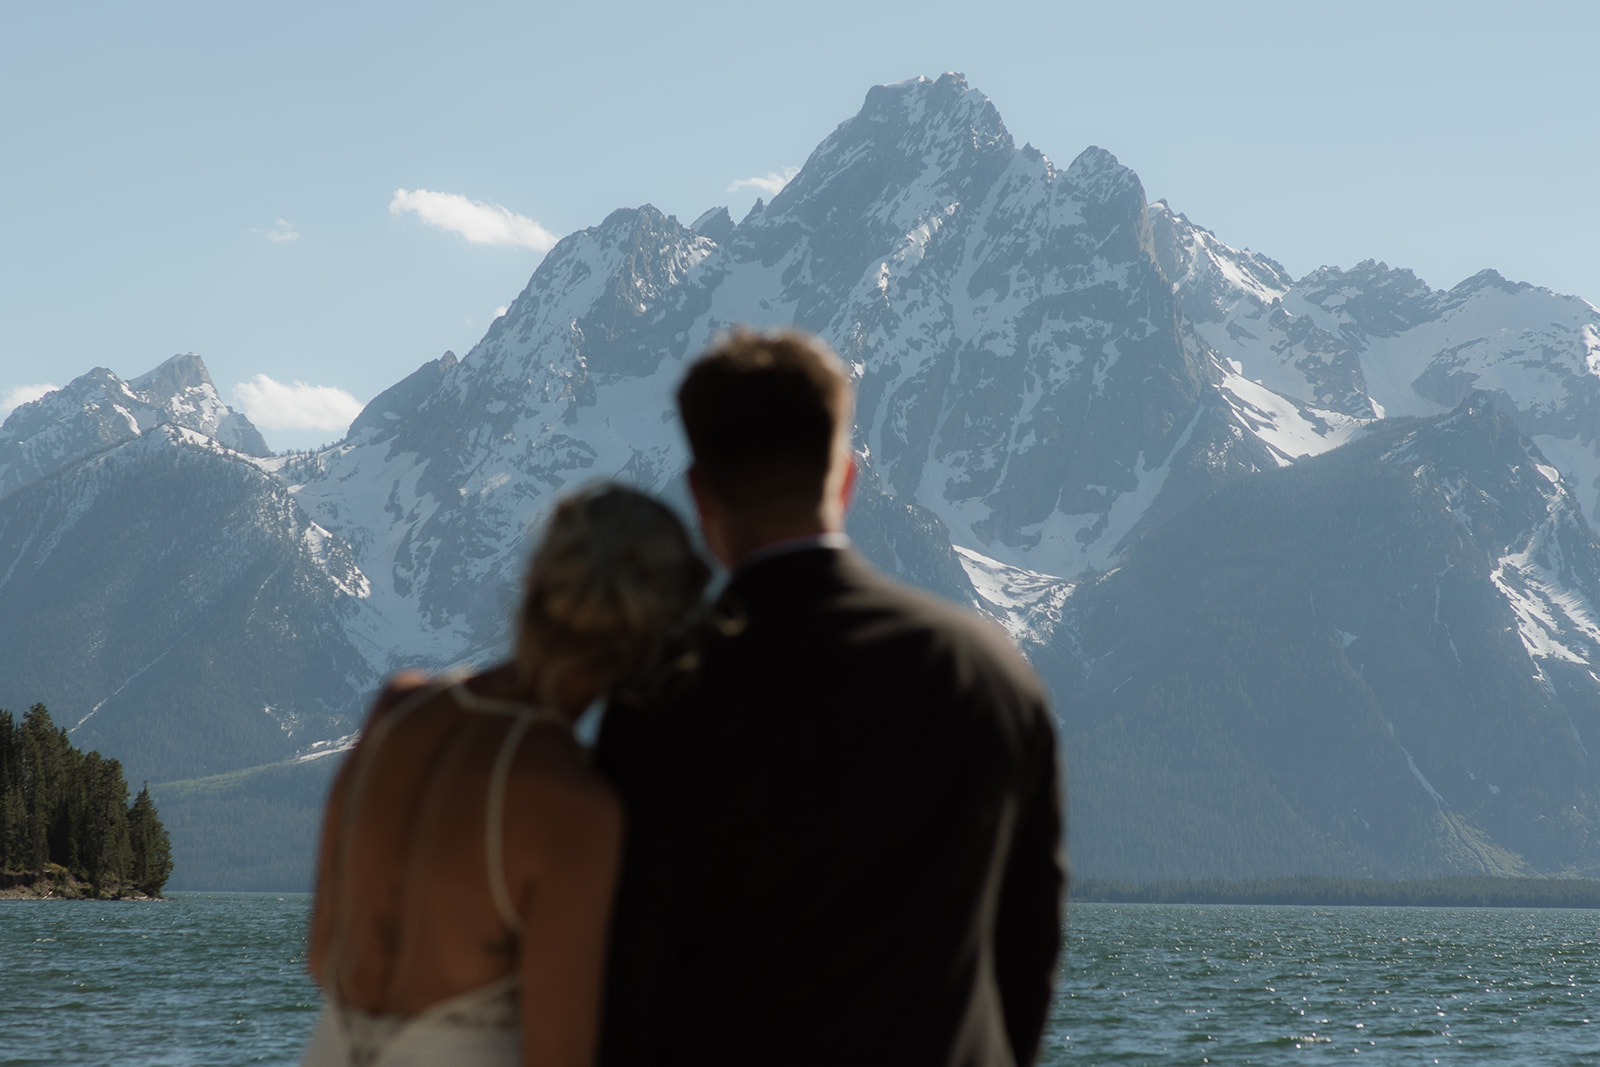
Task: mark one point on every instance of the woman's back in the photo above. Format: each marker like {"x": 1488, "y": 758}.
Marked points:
{"x": 469, "y": 856}
{"x": 463, "y": 825}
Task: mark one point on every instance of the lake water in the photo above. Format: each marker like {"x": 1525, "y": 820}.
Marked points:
{"x": 220, "y": 979}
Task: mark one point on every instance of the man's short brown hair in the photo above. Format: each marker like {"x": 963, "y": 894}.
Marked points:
{"x": 765, "y": 413}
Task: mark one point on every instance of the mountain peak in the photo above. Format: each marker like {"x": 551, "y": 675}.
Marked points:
{"x": 1488, "y": 279}
{"x": 945, "y": 110}
{"x": 914, "y": 147}
{"x": 714, "y": 223}
{"x": 97, "y": 410}
{"x": 186, "y": 370}
{"x": 914, "y": 99}
{"x": 403, "y": 401}
{"x": 1099, "y": 175}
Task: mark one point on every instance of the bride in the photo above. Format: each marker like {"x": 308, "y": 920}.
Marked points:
{"x": 468, "y": 853}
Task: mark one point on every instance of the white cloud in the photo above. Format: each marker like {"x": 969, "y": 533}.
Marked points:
{"x": 272, "y": 405}
{"x": 18, "y": 395}
{"x": 770, "y": 183}
{"x": 501, "y": 310}
{"x": 282, "y": 230}
{"x": 479, "y": 223}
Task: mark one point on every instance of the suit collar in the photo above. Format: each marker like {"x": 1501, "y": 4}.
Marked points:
{"x": 835, "y": 540}
{"x": 790, "y": 577}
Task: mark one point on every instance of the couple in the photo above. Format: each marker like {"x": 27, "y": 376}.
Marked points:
{"x": 825, "y": 829}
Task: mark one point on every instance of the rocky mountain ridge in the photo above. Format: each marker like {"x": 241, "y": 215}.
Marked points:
{"x": 98, "y": 410}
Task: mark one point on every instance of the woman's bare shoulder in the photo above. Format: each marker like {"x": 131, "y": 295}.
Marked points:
{"x": 564, "y": 800}
{"x": 396, "y": 691}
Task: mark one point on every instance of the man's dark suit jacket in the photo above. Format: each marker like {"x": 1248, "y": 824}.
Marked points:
{"x": 844, "y": 839}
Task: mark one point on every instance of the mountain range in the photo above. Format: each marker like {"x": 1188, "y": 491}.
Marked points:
{"x": 1307, "y": 563}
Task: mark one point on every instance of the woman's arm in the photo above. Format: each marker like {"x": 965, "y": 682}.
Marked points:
{"x": 324, "y": 910}
{"x": 323, "y": 907}
{"x": 571, "y": 854}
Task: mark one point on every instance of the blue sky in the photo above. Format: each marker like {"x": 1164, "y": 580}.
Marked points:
{"x": 222, "y": 178}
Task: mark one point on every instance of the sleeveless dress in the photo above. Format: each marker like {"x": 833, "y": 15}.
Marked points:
{"x": 477, "y": 1028}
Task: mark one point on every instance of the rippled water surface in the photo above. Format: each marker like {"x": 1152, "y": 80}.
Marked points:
{"x": 220, "y": 979}
{"x": 1194, "y": 984}
{"x": 198, "y": 979}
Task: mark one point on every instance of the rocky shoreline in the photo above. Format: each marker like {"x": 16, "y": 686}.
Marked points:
{"x": 56, "y": 883}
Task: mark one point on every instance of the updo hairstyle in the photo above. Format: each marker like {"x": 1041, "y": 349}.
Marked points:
{"x": 613, "y": 588}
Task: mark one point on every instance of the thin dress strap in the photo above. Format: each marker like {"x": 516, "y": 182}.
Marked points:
{"x": 495, "y": 823}
{"x": 526, "y": 717}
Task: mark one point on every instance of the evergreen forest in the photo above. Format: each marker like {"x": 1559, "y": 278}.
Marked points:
{"x": 66, "y": 827}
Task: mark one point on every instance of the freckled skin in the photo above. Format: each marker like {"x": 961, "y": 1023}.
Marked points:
{"x": 404, "y": 916}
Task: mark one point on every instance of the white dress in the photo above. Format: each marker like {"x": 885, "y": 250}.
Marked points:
{"x": 478, "y": 1028}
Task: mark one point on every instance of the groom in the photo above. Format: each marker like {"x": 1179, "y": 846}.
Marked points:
{"x": 844, "y": 839}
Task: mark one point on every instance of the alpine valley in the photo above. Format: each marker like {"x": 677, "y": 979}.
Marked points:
{"x": 1307, "y": 563}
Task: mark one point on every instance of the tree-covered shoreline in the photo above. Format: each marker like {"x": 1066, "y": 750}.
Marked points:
{"x": 66, "y": 826}
{"x": 1466, "y": 891}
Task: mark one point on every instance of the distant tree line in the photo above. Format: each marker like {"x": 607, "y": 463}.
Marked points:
{"x": 1465, "y": 891}
{"x": 66, "y": 812}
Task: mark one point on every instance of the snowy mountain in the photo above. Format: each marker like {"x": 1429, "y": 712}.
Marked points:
{"x": 1182, "y": 479}
{"x": 1016, "y": 345}
{"x": 1374, "y": 341}
{"x": 172, "y": 604}
{"x": 99, "y": 410}
{"x": 1375, "y": 662}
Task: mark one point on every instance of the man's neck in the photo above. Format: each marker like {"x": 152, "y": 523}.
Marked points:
{"x": 745, "y": 537}
{"x": 827, "y": 539}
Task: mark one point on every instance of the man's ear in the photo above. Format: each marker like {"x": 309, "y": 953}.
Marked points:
{"x": 847, "y": 490}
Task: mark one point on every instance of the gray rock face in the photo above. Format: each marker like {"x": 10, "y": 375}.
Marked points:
{"x": 99, "y": 410}
{"x": 383, "y": 415}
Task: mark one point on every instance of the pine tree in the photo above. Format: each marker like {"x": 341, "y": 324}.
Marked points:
{"x": 11, "y": 809}
{"x": 64, "y": 807}
{"x": 41, "y": 786}
{"x": 69, "y": 829}
{"x": 105, "y": 848}
{"x": 151, "y": 847}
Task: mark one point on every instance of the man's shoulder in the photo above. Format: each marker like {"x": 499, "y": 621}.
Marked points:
{"x": 894, "y": 620}
{"x": 938, "y": 616}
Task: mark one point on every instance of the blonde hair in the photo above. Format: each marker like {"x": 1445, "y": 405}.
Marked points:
{"x": 613, "y": 587}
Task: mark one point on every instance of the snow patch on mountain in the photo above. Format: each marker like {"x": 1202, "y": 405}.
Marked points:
{"x": 1545, "y": 610}
{"x": 1293, "y": 431}
{"x": 378, "y": 525}
{"x": 333, "y": 746}
{"x": 1093, "y": 541}
{"x": 1416, "y": 772}
{"x": 1027, "y": 603}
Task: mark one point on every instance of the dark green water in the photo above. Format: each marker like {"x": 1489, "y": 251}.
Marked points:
{"x": 219, "y": 979}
